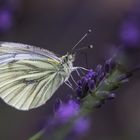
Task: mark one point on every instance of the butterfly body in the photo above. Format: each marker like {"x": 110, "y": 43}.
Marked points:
{"x": 29, "y": 76}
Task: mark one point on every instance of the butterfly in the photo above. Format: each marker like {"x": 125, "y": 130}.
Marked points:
{"x": 29, "y": 75}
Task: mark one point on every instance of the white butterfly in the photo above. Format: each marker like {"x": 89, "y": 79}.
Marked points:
{"x": 29, "y": 76}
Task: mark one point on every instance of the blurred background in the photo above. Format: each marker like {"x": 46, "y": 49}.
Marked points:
{"x": 57, "y": 25}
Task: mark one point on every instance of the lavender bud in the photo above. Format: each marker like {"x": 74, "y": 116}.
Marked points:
{"x": 124, "y": 76}
{"x": 91, "y": 73}
{"x": 111, "y": 96}
{"x": 79, "y": 92}
{"x": 84, "y": 80}
{"x": 98, "y": 69}
{"x": 101, "y": 76}
{"x": 91, "y": 85}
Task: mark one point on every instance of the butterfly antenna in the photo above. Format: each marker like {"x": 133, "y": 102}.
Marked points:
{"x": 84, "y": 36}
{"x": 83, "y": 48}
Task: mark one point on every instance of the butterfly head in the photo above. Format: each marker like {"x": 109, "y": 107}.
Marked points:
{"x": 69, "y": 57}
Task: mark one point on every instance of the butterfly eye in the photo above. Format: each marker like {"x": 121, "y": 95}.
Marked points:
{"x": 70, "y": 57}
{"x": 64, "y": 59}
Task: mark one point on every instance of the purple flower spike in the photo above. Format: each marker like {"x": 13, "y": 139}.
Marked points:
{"x": 81, "y": 125}
{"x": 86, "y": 84}
{"x": 66, "y": 111}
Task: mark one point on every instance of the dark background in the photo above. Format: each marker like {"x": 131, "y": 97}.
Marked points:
{"x": 57, "y": 25}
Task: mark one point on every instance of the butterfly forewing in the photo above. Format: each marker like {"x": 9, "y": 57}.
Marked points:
{"x": 17, "y": 48}
{"x": 27, "y": 76}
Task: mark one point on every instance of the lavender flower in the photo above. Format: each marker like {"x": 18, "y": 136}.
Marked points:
{"x": 96, "y": 86}
{"x": 93, "y": 90}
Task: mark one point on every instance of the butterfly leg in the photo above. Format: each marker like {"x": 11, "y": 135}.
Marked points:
{"x": 78, "y": 73}
{"x": 81, "y": 68}
{"x": 73, "y": 80}
{"x": 70, "y": 86}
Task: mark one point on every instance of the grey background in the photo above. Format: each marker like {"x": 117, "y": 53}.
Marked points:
{"x": 57, "y": 25}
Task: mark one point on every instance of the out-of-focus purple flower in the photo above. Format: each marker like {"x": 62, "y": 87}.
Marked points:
{"x": 6, "y": 20}
{"x": 130, "y": 33}
{"x": 67, "y": 110}
{"x": 129, "y": 29}
{"x": 81, "y": 125}
{"x": 8, "y": 13}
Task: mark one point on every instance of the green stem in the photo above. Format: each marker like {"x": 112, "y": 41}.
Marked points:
{"x": 38, "y": 135}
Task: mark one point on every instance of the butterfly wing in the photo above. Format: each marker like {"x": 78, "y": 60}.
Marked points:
{"x": 27, "y": 76}
{"x": 24, "y": 49}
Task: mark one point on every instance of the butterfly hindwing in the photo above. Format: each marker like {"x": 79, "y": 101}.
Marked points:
{"x": 27, "y": 77}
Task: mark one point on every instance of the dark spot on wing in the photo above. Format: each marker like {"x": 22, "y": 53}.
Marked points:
{"x": 30, "y": 81}
{"x": 28, "y": 47}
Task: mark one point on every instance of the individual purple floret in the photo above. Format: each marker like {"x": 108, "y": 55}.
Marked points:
{"x": 90, "y": 74}
{"x": 100, "y": 73}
